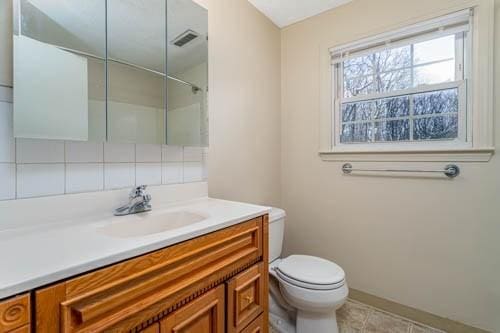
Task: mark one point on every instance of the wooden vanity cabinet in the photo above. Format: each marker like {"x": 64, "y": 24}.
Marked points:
{"x": 214, "y": 283}
{"x": 203, "y": 315}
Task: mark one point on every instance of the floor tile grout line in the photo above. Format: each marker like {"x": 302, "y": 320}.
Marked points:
{"x": 370, "y": 312}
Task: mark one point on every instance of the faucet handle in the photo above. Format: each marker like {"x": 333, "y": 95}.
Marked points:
{"x": 138, "y": 191}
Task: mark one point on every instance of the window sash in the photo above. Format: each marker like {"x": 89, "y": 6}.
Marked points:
{"x": 459, "y": 58}
{"x": 370, "y": 145}
{"x": 451, "y": 24}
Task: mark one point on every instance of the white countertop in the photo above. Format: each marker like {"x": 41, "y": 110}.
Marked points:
{"x": 37, "y": 256}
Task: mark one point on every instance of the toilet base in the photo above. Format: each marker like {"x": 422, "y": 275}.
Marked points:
{"x": 308, "y": 322}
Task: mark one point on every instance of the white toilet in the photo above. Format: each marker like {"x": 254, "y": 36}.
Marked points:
{"x": 305, "y": 291}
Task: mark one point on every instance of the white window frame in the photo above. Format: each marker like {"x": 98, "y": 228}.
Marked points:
{"x": 462, "y": 63}
{"x": 475, "y": 141}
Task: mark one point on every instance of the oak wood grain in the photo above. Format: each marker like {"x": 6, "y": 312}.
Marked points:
{"x": 256, "y": 326}
{"x": 23, "y": 329}
{"x": 203, "y": 315}
{"x": 14, "y": 313}
{"x": 155, "y": 328}
{"x": 48, "y": 314}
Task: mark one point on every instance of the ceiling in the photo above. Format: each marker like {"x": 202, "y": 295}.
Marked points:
{"x": 136, "y": 29}
{"x": 286, "y": 12}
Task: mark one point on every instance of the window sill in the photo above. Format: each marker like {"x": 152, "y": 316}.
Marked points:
{"x": 446, "y": 155}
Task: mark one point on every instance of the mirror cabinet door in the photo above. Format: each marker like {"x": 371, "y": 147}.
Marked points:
{"x": 136, "y": 71}
{"x": 59, "y": 69}
{"x": 187, "y": 86}
{"x": 128, "y": 77}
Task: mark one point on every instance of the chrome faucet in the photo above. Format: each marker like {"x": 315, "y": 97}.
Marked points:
{"x": 139, "y": 201}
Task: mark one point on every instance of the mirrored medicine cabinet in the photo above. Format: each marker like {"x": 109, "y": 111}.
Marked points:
{"x": 123, "y": 71}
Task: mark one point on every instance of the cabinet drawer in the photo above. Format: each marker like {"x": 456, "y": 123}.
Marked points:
{"x": 15, "y": 313}
{"x": 245, "y": 297}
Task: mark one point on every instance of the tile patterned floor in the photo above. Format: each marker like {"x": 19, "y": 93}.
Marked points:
{"x": 355, "y": 317}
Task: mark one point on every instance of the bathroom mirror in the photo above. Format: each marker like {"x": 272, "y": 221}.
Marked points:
{"x": 59, "y": 69}
{"x": 187, "y": 66}
{"x": 111, "y": 71}
{"x": 136, "y": 71}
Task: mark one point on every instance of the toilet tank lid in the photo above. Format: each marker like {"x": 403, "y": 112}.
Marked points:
{"x": 276, "y": 214}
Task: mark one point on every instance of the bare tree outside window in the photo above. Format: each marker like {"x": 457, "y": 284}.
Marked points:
{"x": 381, "y": 117}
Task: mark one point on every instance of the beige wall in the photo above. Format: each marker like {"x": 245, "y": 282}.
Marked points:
{"x": 244, "y": 103}
{"x": 426, "y": 243}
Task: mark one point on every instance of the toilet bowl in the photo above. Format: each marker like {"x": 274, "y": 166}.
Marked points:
{"x": 314, "y": 287}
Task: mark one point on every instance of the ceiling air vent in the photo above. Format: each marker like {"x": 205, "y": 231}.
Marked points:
{"x": 184, "y": 38}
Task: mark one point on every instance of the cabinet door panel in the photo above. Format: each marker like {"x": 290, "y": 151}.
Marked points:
{"x": 256, "y": 326}
{"x": 203, "y": 315}
{"x": 245, "y": 297}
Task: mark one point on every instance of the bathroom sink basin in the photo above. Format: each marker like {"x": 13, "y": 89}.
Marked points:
{"x": 149, "y": 223}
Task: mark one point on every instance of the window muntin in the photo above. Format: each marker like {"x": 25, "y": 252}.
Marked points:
{"x": 409, "y": 94}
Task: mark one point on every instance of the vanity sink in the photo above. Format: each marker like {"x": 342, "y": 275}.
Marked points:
{"x": 147, "y": 224}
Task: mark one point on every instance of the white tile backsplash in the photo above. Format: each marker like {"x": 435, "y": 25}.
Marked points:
{"x": 8, "y": 177}
{"x": 193, "y": 154}
{"x": 172, "y": 154}
{"x": 39, "y": 151}
{"x": 148, "y": 173}
{"x": 84, "y": 152}
{"x": 172, "y": 172}
{"x": 7, "y": 142}
{"x": 148, "y": 153}
{"x": 119, "y": 152}
{"x": 34, "y": 180}
{"x": 193, "y": 172}
{"x": 84, "y": 177}
{"x": 32, "y": 168}
{"x": 119, "y": 175}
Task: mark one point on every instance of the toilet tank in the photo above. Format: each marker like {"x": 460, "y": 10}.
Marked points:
{"x": 276, "y": 232}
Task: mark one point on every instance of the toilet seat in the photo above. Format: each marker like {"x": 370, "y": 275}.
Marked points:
{"x": 310, "y": 272}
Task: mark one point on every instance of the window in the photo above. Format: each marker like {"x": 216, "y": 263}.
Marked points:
{"x": 406, "y": 89}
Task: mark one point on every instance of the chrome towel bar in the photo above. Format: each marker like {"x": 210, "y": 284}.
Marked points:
{"x": 451, "y": 170}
